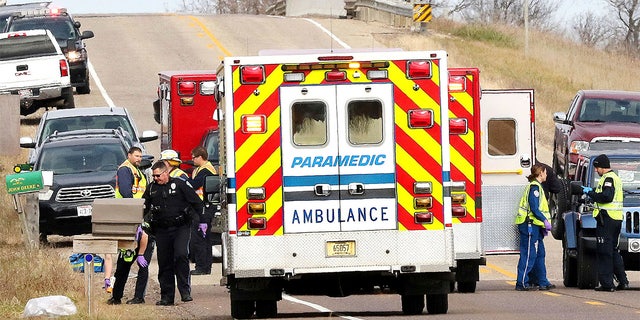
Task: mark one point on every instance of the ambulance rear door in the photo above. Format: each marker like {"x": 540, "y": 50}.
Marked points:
{"x": 337, "y": 155}
{"x": 508, "y": 152}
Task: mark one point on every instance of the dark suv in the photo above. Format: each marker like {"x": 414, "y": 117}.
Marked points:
{"x": 67, "y": 31}
{"x": 84, "y": 165}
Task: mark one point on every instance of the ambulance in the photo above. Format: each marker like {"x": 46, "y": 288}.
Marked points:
{"x": 335, "y": 169}
{"x": 184, "y": 109}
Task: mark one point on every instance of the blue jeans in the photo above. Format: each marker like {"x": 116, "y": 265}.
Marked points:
{"x": 531, "y": 267}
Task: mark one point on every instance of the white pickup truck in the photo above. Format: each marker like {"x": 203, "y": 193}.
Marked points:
{"x": 33, "y": 67}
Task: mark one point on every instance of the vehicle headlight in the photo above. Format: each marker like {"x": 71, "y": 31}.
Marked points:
{"x": 578, "y": 146}
{"x": 74, "y": 56}
{"x": 45, "y": 195}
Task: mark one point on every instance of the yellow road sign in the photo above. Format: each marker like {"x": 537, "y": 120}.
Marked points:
{"x": 421, "y": 12}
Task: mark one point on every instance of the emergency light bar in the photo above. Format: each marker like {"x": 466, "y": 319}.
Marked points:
{"x": 333, "y": 66}
{"x": 419, "y": 69}
{"x": 252, "y": 74}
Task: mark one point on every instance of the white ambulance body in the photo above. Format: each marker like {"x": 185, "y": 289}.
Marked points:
{"x": 336, "y": 171}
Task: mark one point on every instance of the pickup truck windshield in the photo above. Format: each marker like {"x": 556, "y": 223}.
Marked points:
{"x": 60, "y": 27}
{"x": 20, "y": 47}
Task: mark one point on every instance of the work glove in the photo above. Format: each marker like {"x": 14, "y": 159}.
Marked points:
{"x": 586, "y": 190}
{"x": 142, "y": 262}
{"x": 107, "y": 283}
{"x": 203, "y": 227}
{"x": 547, "y": 225}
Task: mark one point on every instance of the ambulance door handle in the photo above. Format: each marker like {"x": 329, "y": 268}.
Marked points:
{"x": 356, "y": 189}
{"x": 322, "y": 189}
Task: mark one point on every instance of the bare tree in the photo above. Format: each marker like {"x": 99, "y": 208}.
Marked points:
{"x": 592, "y": 30}
{"x": 226, "y": 6}
{"x": 628, "y": 12}
{"x": 506, "y": 11}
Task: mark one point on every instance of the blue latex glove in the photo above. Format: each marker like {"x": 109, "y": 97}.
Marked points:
{"x": 545, "y": 232}
{"x": 107, "y": 283}
{"x": 586, "y": 190}
{"x": 203, "y": 227}
{"x": 142, "y": 261}
{"x": 547, "y": 226}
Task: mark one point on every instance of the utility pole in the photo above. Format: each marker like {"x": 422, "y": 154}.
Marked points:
{"x": 526, "y": 27}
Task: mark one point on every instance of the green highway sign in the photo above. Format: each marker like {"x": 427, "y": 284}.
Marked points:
{"x": 24, "y": 182}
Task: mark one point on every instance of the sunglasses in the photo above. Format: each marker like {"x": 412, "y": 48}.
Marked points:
{"x": 159, "y": 174}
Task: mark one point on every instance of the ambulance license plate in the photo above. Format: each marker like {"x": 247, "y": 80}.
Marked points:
{"x": 341, "y": 248}
{"x": 84, "y": 211}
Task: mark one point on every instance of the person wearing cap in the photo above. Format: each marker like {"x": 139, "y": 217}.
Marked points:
{"x": 607, "y": 198}
{"x": 172, "y": 158}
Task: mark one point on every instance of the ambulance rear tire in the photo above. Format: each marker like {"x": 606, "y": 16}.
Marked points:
{"x": 438, "y": 303}
{"x": 266, "y": 309}
{"x": 412, "y": 304}
{"x": 242, "y": 309}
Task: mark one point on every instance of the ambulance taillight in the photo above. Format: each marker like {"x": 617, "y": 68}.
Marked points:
{"x": 458, "y": 126}
{"x": 419, "y": 69}
{"x": 252, "y": 123}
{"x": 423, "y": 201}
{"x": 458, "y": 199}
{"x": 252, "y": 74}
{"x": 257, "y": 223}
{"x": 421, "y": 118}
{"x": 335, "y": 75}
{"x": 186, "y": 88}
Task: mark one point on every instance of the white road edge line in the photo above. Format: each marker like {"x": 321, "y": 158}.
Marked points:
{"x": 333, "y": 36}
{"x": 315, "y": 306}
{"x": 103, "y": 91}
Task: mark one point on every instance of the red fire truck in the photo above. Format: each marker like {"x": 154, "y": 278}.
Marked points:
{"x": 185, "y": 109}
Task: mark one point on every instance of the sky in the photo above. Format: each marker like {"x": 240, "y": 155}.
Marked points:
{"x": 113, "y": 6}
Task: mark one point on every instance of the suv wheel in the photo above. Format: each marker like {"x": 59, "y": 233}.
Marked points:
{"x": 68, "y": 102}
{"x": 84, "y": 89}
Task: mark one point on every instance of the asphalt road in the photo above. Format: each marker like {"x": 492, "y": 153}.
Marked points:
{"x": 128, "y": 52}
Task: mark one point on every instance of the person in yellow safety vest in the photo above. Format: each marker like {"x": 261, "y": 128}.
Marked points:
{"x": 533, "y": 224}
{"x": 608, "y": 199}
{"x": 172, "y": 158}
{"x": 131, "y": 183}
{"x": 201, "y": 236}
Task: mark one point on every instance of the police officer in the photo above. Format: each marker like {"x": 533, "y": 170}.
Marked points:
{"x": 172, "y": 204}
{"x": 131, "y": 183}
{"x": 533, "y": 224}
{"x": 172, "y": 158}
{"x": 608, "y": 213}
{"x": 201, "y": 236}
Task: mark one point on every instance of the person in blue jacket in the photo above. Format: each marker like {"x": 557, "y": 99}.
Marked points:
{"x": 533, "y": 224}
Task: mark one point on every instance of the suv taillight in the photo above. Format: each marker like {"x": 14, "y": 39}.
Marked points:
{"x": 64, "y": 68}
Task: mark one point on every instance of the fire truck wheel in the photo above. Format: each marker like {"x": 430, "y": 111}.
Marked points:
{"x": 242, "y": 309}
{"x": 412, "y": 304}
{"x": 466, "y": 286}
{"x": 438, "y": 303}
{"x": 266, "y": 309}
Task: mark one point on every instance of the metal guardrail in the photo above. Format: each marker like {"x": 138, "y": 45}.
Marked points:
{"x": 400, "y": 8}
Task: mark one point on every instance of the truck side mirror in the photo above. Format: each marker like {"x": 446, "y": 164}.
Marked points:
{"x": 156, "y": 111}
{"x": 87, "y": 34}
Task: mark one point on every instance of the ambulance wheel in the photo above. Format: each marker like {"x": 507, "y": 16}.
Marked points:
{"x": 587, "y": 274}
{"x": 466, "y": 286}
{"x": 266, "y": 309}
{"x": 569, "y": 267}
{"x": 412, "y": 304}
{"x": 242, "y": 309}
{"x": 438, "y": 303}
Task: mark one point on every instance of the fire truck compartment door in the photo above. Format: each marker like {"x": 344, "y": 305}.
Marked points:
{"x": 338, "y": 158}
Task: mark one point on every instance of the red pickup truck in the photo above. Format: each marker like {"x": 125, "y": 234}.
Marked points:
{"x": 594, "y": 117}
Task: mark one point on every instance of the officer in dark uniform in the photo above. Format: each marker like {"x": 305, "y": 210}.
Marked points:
{"x": 172, "y": 205}
{"x": 608, "y": 199}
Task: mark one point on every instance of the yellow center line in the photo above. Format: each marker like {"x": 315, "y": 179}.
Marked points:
{"x": 211, "y": 36}
{"x": 594, "y": 303}
{"x": 504, "y": 272}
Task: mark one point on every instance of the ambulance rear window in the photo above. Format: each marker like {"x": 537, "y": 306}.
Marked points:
{"x": 502, "y": 137}
{"x": 309, "y": 120}
{"x": 365, "y": 122}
